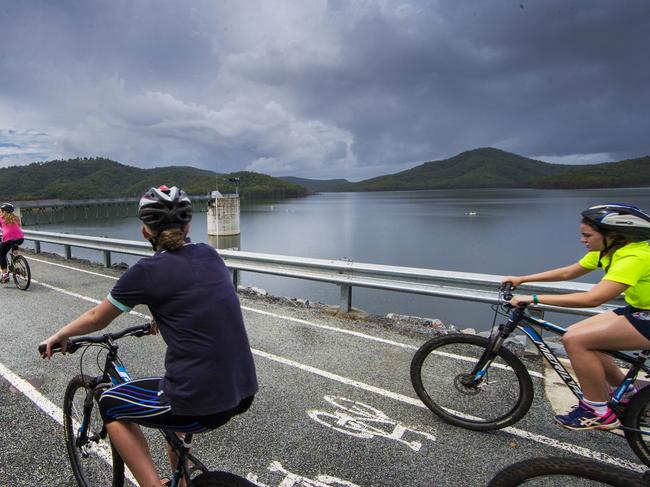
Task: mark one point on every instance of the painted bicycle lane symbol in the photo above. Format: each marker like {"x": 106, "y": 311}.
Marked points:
{"x": 363, "y": 421}
{"x": 290, "y": 479}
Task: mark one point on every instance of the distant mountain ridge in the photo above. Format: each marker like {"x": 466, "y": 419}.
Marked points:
{"x": 84, "y": 178}
{"x": 493, "y": 168}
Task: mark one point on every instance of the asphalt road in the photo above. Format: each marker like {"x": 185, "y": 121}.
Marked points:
{"x": 335, "y": 407}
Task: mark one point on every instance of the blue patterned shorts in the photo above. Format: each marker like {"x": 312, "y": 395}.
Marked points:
{"x": 638, "y": 318}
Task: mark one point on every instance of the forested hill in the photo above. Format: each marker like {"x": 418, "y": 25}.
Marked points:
{"x": 321, "y": 185}
{"x": 103, "y": 178}
{"x": 479, "y": 168}
{"x": 494, "y": 168}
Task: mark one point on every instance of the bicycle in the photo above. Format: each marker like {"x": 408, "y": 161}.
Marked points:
{"x": 561, "y": 470}
{"x": 85, "y": 433}
{"x": 487, "y": 387}
{"x": 18, "y": 267}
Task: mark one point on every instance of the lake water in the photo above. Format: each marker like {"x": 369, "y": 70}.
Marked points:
{"x": 491, "y": 231}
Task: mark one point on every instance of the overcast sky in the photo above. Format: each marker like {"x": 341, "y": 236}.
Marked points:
{"x": 322, "y": 89}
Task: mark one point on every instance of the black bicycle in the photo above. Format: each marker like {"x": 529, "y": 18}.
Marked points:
{"x": 477, "y": 383}
{"x": 560, "y": 471}
{"x": 18, "y": 267}
{"x": 86, "y": 440}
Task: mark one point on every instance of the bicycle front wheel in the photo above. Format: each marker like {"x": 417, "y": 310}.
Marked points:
{"x": 22, "y": 274}
{"x": 562, "y": 471}
{"x": 220, "y": 479}
{"x": 637, "y": 417}
{"x": 441, "y": 376}
{"x": 94, "y": 462}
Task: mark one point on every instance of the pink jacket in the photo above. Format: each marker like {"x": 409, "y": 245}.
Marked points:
{"x": 10, "y": 232}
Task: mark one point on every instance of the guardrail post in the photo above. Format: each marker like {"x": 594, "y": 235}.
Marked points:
{"x": 107, "y": 258}
{"x": 67, "y": 250}
{"x": 346, "y": 298}
{"x": 37, "y": 246}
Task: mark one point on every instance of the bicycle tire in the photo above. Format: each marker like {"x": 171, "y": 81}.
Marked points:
{"x": 89, "y": 462}
{"x": 433, "y": 374}
{"x": 547, "y": 467}
{"x": 21, "y": 273}
{"x": 637, "y": 416}
{"x": 220, "y": 479}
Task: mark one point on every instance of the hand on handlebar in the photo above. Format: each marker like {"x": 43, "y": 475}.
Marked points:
{"x": 515, "y": 281}
{"x": 46, "y": 348}
{"x": 519, "y": 301}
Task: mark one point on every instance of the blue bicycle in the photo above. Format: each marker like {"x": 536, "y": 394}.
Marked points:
{"x": 477, "y": 383}
{"x": 86, "y": 440}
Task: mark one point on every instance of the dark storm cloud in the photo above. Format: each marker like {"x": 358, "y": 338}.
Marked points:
{"x": 322, "y": 88}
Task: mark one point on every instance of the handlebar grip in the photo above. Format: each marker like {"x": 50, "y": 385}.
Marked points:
{"x": 70, "y": 348}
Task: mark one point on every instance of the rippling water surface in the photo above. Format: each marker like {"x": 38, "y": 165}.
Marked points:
{"x": 486, "y": 231}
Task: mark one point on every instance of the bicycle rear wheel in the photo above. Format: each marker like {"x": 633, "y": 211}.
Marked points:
{"x": 562, "y": 471}
{"x": 220, "y": 479}
{"x": 637, "y": 416}
{"x": 94, "y": 462}
{"x": 440, "y": 371}
{"x": 22, "y": 274}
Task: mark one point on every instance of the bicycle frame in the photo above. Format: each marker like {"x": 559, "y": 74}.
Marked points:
{"x": 518, "y": 318}
{"x": 115, "y": 373}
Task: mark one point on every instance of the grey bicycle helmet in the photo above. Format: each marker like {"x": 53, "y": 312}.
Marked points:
{"x": 163, "y": 207}
{"x": 626, "y": 220}
{"x": 8, "y": 207}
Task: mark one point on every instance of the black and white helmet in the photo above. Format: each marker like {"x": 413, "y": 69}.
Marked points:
{"x": 626, "y": 220}
{"x": 8, "y": 207}
{"x": 165, "y": 207}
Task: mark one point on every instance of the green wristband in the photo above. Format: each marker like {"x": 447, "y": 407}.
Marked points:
{"x": 535, "y": 300}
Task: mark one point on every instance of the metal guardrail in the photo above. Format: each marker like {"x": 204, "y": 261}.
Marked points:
{"x": 344, "y": 273}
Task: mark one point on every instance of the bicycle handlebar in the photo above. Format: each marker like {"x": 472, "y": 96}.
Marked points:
{"x": 74, "y": 344}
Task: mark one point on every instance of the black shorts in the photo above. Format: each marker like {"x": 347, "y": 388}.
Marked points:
{"x": 140, "y": 401}
{"x": 638, "y": 318}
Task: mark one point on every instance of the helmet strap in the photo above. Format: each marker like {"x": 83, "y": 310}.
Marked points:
{"x": 614, "y": 244}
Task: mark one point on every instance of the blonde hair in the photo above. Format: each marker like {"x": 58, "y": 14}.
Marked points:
{"x": 170, "y": 239}
{"x": 10, "y": 218}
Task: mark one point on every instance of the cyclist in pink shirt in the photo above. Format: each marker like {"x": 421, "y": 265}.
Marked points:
{"x": 12, "y": 235}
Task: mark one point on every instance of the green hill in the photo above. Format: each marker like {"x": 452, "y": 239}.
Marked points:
{"x": 479, "y": 168}
{"x": 623, "y": 174}
{"x": 103, "y": 178}
{"x": 316, "y": 185}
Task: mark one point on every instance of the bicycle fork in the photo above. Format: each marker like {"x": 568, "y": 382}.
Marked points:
{"x": 478, "y": 374}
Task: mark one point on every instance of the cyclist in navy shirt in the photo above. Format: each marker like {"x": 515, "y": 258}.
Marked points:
{"x": 209, "y": 371}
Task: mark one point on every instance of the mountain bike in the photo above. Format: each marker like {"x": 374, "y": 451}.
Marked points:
{"x": 477, "y": 383}
{"x": 86, "y": 440}
{"x": 562, "y": 470}
{"x": 18, "y": 267}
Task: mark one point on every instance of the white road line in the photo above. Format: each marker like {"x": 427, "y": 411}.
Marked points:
{"x": 545, "y": 440}
{"x": 283, "y": 317}
{"x": 51, "y": 409}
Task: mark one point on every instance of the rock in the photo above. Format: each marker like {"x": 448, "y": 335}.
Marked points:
{"x": 416, "y": 320}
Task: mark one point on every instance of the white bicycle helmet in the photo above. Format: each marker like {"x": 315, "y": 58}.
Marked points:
{"x": 163, "y": 207}
{"x": 8, "y": 207}
{"x": 625, "y": 220}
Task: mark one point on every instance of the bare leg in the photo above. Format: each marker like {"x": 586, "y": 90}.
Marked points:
{"x": 583, "y": 341}
{"x": 132, "y": 447}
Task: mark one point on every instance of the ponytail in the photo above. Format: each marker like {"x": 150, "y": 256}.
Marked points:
{"x": 170, "y": 239}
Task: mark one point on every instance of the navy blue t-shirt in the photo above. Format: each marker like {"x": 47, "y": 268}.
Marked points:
{"x": 208, "y": 364}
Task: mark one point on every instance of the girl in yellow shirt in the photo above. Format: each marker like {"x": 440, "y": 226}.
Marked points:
{"x": 616, "y": 237}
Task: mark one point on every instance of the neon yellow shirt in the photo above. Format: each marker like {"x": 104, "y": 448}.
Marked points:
{"x": 629, "y": 265}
